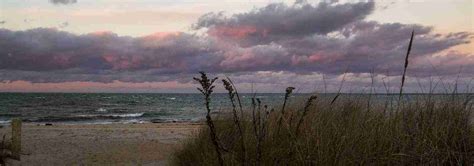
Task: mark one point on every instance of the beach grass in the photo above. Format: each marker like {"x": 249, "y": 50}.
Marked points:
{"x": 423, "y": 131}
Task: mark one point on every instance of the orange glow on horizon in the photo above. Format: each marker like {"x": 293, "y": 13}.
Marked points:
{"x": 116, "y": 86}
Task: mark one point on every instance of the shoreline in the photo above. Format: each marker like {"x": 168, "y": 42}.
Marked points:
{"x": 124, "y": 122}
{"x": 101, "y": 144}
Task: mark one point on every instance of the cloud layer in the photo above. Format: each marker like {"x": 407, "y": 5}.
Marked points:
{"x": 280, "y": 22}
{"x": 299, "y": 39}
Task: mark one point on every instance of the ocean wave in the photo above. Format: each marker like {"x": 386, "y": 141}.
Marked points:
{"x": 171, "y": 98}
{"x": 130, "y": 115}
{"x": 5, "y": 121}
{"x": 101, "y": 110}
{"x": 157, "y": 114}
{"x": 131, "y": 121}
{"x": 169, "y": 120}
{"x": 9, "y": 115}
{"x": 87, "y": 117}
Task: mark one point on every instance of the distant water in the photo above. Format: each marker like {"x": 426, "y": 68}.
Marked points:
{"x": 126, "y": 108}
{"x": 111, "y": 108}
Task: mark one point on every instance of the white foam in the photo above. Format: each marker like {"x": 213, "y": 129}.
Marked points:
{"x": 101, "y": 110}
{"x": 131, "y": 115}
{"x": 5, "y": 121}
{"x": 127, "y": 115}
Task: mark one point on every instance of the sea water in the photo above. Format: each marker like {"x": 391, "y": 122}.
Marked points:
{"x": 113, "y": 108}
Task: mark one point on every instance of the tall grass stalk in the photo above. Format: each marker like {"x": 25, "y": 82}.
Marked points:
{"x": 305, "y": 111}
{"x": 231, "y": 93}
{"x": 340, "y": 88}
{"x": 406, "y": 64}
{"x": 206, "y": 90}
{"x": 288, "y": 92}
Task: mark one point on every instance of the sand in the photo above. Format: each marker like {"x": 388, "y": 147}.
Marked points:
{"x": 109, "y": 144}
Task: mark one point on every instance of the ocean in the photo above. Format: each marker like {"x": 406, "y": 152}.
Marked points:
{"x": 112, "y": 108}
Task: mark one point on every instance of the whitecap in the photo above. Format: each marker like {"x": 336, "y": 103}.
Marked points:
{"x": 5, "y": 121}
{"x": 101, "y": 110}
{"x": 131, "y": 115}
{"x": 127, "y": 115}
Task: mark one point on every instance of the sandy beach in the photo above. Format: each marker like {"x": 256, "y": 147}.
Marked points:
{"x": 104, "y": 144}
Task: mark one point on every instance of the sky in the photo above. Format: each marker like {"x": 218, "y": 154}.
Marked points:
{"x": 150, "y": 46}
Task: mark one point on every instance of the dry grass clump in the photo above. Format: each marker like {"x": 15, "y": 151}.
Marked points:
{"x": 6, "y": 151}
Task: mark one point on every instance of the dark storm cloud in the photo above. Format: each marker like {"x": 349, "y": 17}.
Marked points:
{"x": 298, "y": 41}
{"x": 63, "y": 2}
{"x": 364, "y": 46}
{"x": 280, "y": 20}
{"x": 49, "y": 49}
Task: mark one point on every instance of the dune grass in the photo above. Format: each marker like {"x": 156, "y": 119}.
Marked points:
{"x": 336, "y": 130}
{"x": 421, "y": 132}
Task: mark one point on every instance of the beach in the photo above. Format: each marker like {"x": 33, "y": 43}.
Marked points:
{"x": 101, "y": 144}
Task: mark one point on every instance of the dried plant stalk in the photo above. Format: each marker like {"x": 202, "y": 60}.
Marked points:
{"x": 207, "y": 89}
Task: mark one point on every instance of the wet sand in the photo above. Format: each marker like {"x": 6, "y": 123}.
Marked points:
{"x": 109, "y": 144}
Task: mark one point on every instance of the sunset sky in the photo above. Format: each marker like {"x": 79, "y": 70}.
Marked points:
{"x": 263, "y": 45}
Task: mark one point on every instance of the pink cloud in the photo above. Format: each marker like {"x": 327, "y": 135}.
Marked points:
{"x": 236, "y": 32}
{"x": 161, "y": 35}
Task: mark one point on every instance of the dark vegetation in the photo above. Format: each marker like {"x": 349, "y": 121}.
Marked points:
{"x": 338, "y": 130}
{"x": 4, "y": 151}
